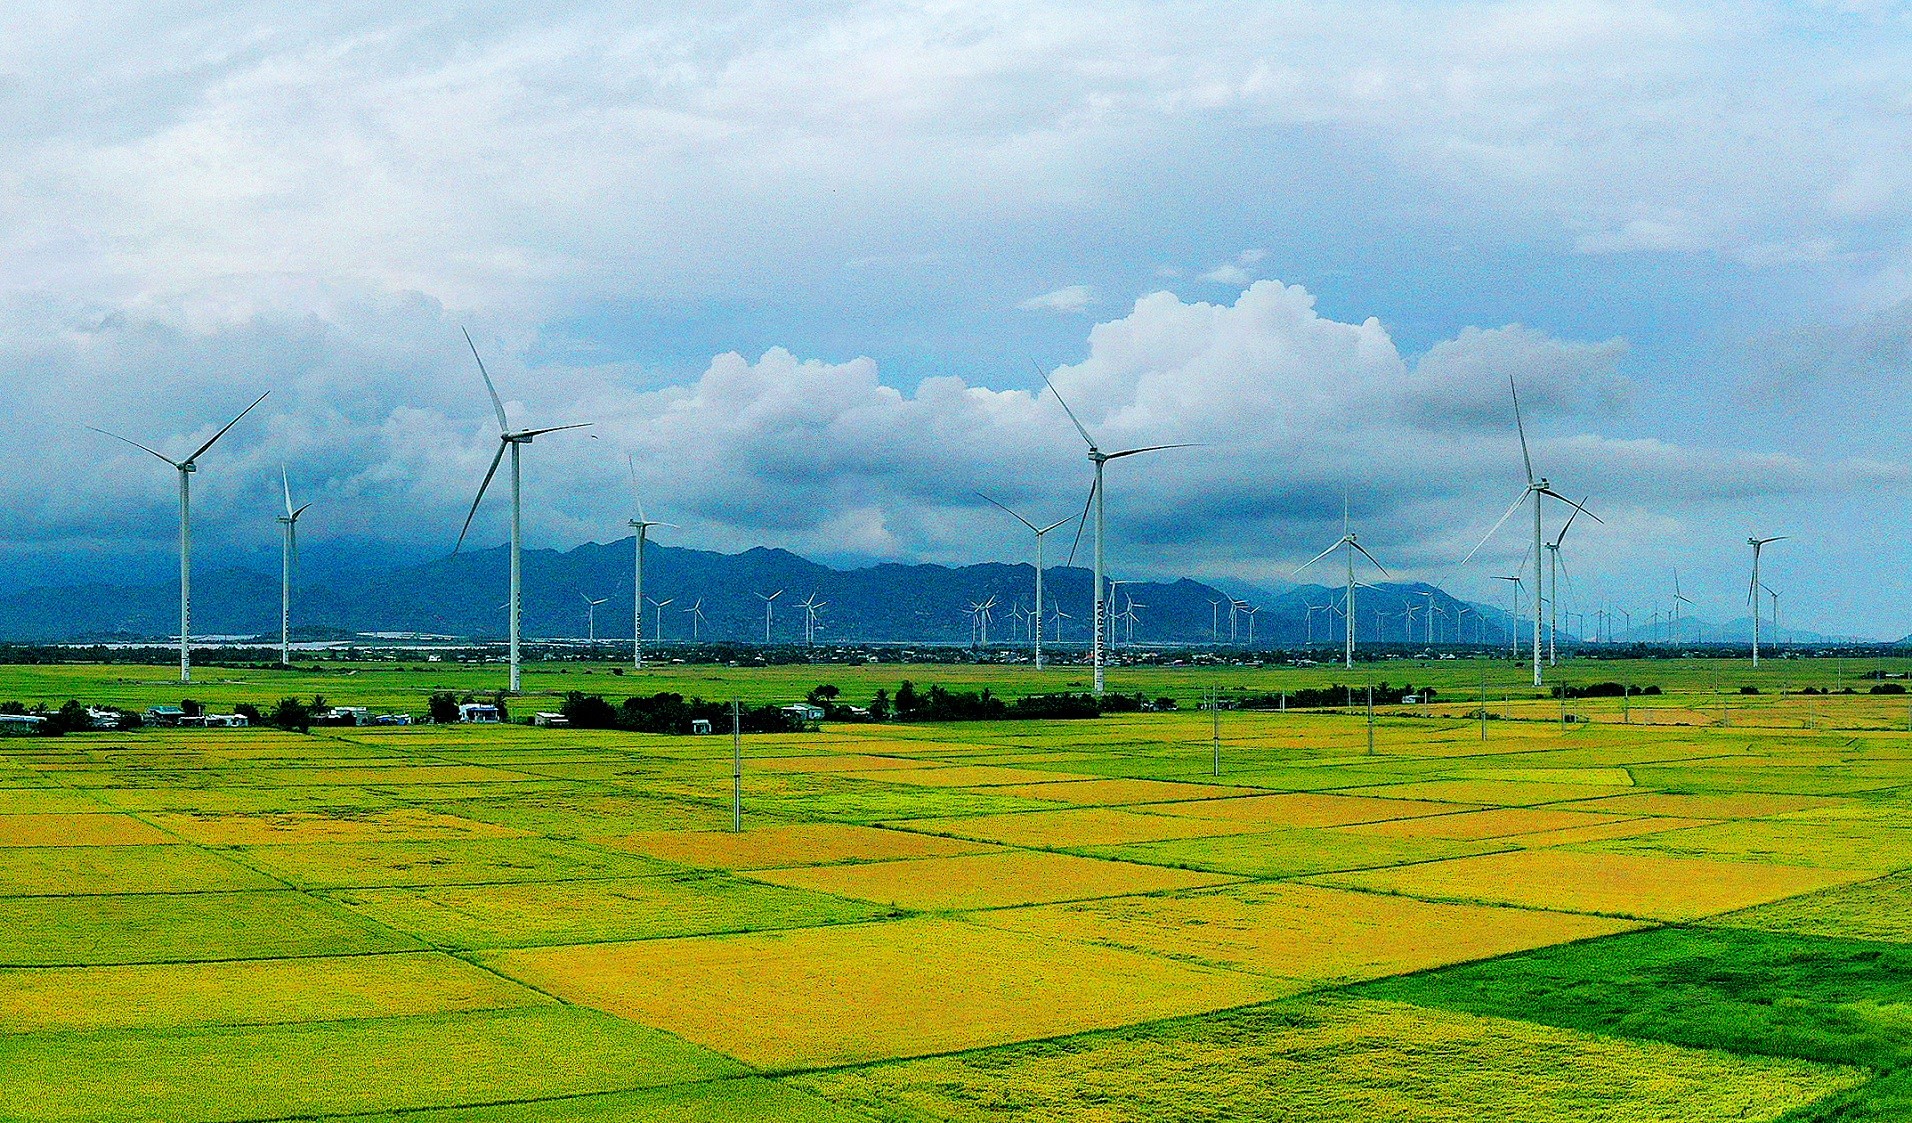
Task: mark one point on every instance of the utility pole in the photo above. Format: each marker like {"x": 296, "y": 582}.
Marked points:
{"x": 1215, "y": 734}
{"x": 736, "y": 767}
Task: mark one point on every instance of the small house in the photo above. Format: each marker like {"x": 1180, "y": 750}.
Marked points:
{"x": 164, "y": 715}
{"x": 21, "y": 723}
{"x": 226, "y": 721}
{"x": 700, "y": 725}
{"x": 804, "y": 711}
{"x": 547, "y": 720}
{"x": 478, "y": 712}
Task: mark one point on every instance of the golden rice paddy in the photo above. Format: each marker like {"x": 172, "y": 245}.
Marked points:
{"x": 1632, "y": 885}
{"x": 980, "y": 881}
{"x": 844, "y": 994}
{"x": 1078, "y": 826}
{"x": 790, "y": 844}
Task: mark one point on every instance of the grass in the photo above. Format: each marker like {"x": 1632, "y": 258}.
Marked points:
{"x": 791, "y": 844}
{"x": 333, "y": 865}
{"x": 249, "y": 992}
{"x": 1866, "y": 910}
{"x": 349, "y": 1066}
{"x": 1291, "y": 853}
{"x": 1331, "y": 1060}
{"x": 75, "y": 870}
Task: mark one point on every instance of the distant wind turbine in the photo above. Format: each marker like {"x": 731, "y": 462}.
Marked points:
{"x": 660, "y": 605}
{"x": 1039, "y": 532}
{"x": 513, "y": 441}
{"x": 1553, "y": 600}
{"x": 1098, "y": 458}
{"x": 1349, "y": 546}
{"x": 590, "y": 616}
{"x": 288, "y": 559}
{"x": 643, "y": 526}
{"x": 696, "y": 612}
{"x": 186, "y": 468}
{"x": 1752, "y": 590}
{"x": 767, "y": 609}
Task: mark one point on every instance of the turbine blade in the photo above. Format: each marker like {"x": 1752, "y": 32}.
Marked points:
{"x": 300, "y": 511}
{"x": 1082, "y": 523}
{"x": 1052, "y": 526}
{"x": 1065, "y": 405}
{"x": 1317, "y": 557}
{"x": 632, "y": 461}
{"x": 502, "y": 446}
{"x": 1571, "y": 515}
{"x": 287, "y": 482}
{"x": 1370, "y": 557}
{"x": 1521, "y": 428}
{"x": 1012, "y": 514}
{"x": 135, "y": 444}
{"x": 229, "y": 425}
{"x": 503, "y": 425}
{"x": 1150, "y": 448}
{"x": 1496, "y": 528}
{"x": 1576, "y": 506}
{"x": 529, "y": 433}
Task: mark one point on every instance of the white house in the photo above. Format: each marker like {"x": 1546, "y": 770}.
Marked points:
{"x": 477, "y": 712}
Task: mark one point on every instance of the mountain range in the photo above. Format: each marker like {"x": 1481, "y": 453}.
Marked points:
{"x": 463, "y": 595}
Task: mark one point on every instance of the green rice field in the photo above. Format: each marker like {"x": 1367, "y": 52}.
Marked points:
{"x": 1690, "y": 906}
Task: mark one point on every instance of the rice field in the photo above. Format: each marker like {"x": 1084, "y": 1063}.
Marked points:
{"x": 1692, "y": 908}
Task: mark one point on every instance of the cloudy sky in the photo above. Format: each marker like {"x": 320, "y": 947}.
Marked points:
{"x": 800, "y": 261}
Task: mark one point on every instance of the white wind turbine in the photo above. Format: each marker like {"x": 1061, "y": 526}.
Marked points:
{"x": 1673, "y": 621}
{"x": 767, "y": 601}
{"x": 643, "y": 526}
{"x": 288, "y": 558}
{"x": 696, "y": 612}
{"x": 1349, "y": 546}
{"x": 1513, "y": 618}
{"x": 590, "y": 616}
{"x": 1752, "y": 590}
{"x": 186, "y": 468}
{"x": 1538, "y": 489}
{"x": 512, "y": 441}
{"x": 1098, "y": 458}
{"x": 660, "y": 605}
{"x": 811, "y": 608}
{"x": 1039, "y": 532}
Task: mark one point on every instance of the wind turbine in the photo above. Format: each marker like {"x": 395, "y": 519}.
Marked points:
{"x": 590, "y": 617}
{"x": 1098, "y": 458}
{"x": 186, "y": 468}
{"x": 288, "y": 558}
{"x": 512, "y": 441}
{"x": 1057, "y": 616}
{"x": 1539, "y": 489}
{"x": 1039, "y": 532}
{"x": 1349, "y": 546}
{"x": 1673, "y": 621}
{"x": 1214, "y": 622}
{"x": 659, "y": 605}
{"x": 810, "y": 609}
{"x": 767, "y": 611}
{"x": 696, "y": 612}
{"x": 1752, "y": 590}
{"x": 1514, "y": 645}
{"x": 643, "y": 526}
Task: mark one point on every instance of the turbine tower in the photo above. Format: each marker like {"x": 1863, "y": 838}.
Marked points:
{"x": 288, "y": 558}
{"x": 1752, "y": 590}
{"x": 696, "y": 613}
{"x": 643, "y": 527}
{"x": 1539, "y": 489}
{"x": 1349, "y": 546}
{"x": 1098, "y": 458}
{"x": 512, "y": 441}
{"x": 1553, "y": 581}
{"x": 1039, "y": 532}
{"x": 660, "y": 605}
{"x": 186, "y": 468}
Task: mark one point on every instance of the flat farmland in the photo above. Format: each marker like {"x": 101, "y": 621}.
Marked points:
{"x": 1679, "y": 909}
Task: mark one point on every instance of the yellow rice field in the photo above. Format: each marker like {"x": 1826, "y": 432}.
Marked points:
{"x": 979, "y": 881}
{"x": 790, "y": 844}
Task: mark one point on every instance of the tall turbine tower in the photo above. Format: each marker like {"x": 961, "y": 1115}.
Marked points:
{"x": 288, "y": 557}
{"x": 1539, "y": 490}
{"x": 1752, "y": 590}
{"x": 1098, "y": 458}
{"x": 1040, "y": 532}
{"x": 512, "y": 441}
{"x": 186, "y": 468}
{"x": 1553, "y": 581}
{"x": 1348, "y": 546}
{"x": 643, "y": 527}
